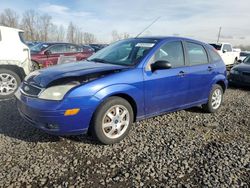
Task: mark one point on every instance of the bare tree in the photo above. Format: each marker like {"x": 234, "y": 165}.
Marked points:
{"x": 44, "y": 23}
{"x": 71, "y": 32}
{"x": 30, "y": 25}
{"x": 60, "y": 33}
{"x": 9, "y": 18}
{"x": 119, "y": 36}
{"x": 89, "y": 38}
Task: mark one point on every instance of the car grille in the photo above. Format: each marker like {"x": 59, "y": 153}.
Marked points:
{"x": 30, "y": 90}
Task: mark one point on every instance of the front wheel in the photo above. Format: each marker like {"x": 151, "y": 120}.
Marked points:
{"x": 112, "y": 120}
{"x": 215, "y": 99}
{"x": 9, "y": 82}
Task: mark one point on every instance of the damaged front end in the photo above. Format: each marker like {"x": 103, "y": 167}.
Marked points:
{"x": 57, "y": 89}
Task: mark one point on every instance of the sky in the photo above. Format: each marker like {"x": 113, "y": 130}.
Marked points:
{"x": 198, "y": 19}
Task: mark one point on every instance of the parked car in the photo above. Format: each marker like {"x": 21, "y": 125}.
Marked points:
{"x": 30, "y": 44}
{"x": 14, "y": 60}
{"x": 229, "y": 56}
{"x": 98, "y": 47}
{"x": 243, "y": 55}
{"x": 240, "y": 74}
{"x": 127, "y": 81}
{"x": 47, "y": 54}
{"x": 88, "y": 48}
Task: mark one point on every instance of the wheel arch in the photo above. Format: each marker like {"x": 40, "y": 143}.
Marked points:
{"x": 18, "y": 70}
{"x": 222, "y": 84}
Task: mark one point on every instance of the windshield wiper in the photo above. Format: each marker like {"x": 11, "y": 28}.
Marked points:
{"x": 98, "y": 60}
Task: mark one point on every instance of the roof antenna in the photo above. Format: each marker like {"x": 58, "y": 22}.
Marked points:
{"x": 148, "y": 26}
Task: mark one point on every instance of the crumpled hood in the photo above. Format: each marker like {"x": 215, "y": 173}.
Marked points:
{"x": 44, "y": 77}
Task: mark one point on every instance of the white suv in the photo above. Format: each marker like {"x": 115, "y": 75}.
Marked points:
{"x": 14, "y": 60}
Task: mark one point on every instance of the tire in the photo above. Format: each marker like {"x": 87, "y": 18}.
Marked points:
{"x": 9, "y": 83}
{"x": 34, "y": 66}
{"x": 215, "y": 99}
{"x": 106, "y": 114}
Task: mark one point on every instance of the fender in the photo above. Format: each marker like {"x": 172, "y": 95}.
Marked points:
{"x": 219, "y": 78}
{"x": 124, "y": 89}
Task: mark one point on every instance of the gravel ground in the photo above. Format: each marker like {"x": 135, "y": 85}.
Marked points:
{"x": 188, "y": 148}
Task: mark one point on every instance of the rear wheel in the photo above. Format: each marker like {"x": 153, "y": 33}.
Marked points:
{"x": 112, "y": 120}
{"x": 215, "y": 99}
{"x": 9, "y": 82}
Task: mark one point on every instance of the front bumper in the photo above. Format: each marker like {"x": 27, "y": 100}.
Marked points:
{"x": 49, "y": 115}
{"x": 239, "y": 79}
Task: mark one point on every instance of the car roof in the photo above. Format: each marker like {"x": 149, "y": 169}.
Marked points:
{"x": 171, "y": 38}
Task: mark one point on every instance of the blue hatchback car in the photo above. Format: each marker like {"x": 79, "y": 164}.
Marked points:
{"x": 127, "y": 81}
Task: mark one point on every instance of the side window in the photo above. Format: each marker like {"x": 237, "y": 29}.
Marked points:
{"x": 227, "y": 47}
{"x": 56, "y": 49}
{"x": 0, "y": 36}
{"x": 71, "y": 49}
{"x": 171, "y": 52}
{"x": 196, "y": 54}
{"x": 214, "y": 55}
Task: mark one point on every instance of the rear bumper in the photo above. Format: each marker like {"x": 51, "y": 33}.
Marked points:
{"x": 49, "y": 115}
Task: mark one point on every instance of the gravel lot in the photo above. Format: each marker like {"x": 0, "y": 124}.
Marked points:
{"x": 188, "y": 148}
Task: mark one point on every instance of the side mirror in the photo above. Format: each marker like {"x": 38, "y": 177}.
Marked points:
{"x": 224, "y": 51}
{"x": 159, "y": 65}
{"x": 47, "y": 52}
{"x": 240, "y": 61}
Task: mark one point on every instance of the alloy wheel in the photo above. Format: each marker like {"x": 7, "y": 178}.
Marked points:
{"x": 8, "y": 84}
{"x": 216, "y": 98}
{"x": 115, "y": 121}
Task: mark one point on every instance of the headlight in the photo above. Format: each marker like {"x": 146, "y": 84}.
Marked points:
{"x": 55, "y": 92}
{"x": 234, "y": 72}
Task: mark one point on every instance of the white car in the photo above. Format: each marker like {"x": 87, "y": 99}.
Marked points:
{"x": 14, "y": 60}
{"x": 228, "y": 55}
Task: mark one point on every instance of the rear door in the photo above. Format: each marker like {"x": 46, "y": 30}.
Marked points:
{"x": 166, "y": 89}
{"x": 200, "y": 72}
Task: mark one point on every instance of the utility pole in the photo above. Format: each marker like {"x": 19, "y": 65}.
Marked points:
{"x": 219, "y": 35}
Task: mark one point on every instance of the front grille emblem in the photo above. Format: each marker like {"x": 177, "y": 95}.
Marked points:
{"x": 26, "y": 88}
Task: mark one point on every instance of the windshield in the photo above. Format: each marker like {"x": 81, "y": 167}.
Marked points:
{"x": 125, "y": 52}
{"x": 247, "y": 60}
{"x": 39, "y": 47}
{"x": 216, "y": 46}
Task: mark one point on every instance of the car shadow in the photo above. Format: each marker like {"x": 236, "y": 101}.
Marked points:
{"x": 12, "y": 125}
{"x": 235, "y": 87}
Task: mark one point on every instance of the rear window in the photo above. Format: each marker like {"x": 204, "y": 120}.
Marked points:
{"x": 21, "y": 36}
{"x": 216, "y": 46}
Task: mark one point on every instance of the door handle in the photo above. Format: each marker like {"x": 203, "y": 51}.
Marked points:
{"x": 181, "y": 73}
{"x": 210, "y": 68}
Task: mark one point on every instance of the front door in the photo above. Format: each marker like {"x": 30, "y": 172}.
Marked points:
{"x": 166, "y": 90}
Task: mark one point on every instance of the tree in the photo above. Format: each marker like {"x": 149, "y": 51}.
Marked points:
{"x": 45, "y": 24}
{"x": 30, "y": 25}
{"x": 71, "y": 32}
{"x": 9, "y": 18}
{"x": 119, "y": 36}
{"x": 89, "y": 38}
